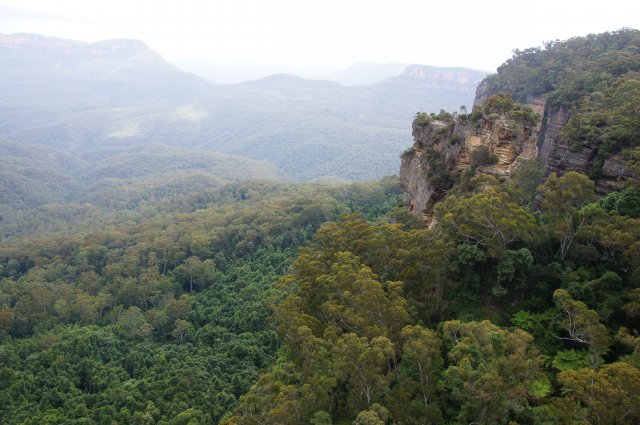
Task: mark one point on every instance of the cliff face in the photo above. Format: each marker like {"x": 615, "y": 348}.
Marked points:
{"x": 560, "y": 158}
{"x": 415, "y": 169}
{"x": 507, "y": 142}
{"x": 457, "y": 79}
{"x": 447, "y": 148}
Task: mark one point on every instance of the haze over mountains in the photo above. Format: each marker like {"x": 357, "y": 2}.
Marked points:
{"x": 358, "y": 74}
{"x": 113, "y": 114}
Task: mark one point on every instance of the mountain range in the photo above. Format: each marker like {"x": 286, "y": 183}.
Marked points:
{"x": 92, "y": 105}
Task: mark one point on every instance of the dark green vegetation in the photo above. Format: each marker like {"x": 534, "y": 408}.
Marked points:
{"x": 162, "y": 321}
{"x": 609, "y": 120}
{"x": 503, "y": 105}
{"x": 34, "y": 177}
{"x": 499, "y": 315}
{"x": 568, "y": 70}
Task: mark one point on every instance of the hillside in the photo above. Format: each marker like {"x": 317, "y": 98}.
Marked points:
{"x": 364, "y": 73}
{"x": 35, "y": 177}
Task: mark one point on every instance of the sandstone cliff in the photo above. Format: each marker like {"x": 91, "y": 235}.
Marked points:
{"x": 493, "y": 145}
{"x": 507, "y": 141}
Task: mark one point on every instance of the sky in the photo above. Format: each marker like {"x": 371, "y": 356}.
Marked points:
{"x": 329, "y": 34}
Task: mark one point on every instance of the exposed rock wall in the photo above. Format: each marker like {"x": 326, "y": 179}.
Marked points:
{"x": 552, "y": 124}
{"x": 422, "y": 195}
{"x": 454, "y": 146}
{"x": 561, "y": 158}
{"x": 614, "y": 175}
{"x": 508, "y": 142}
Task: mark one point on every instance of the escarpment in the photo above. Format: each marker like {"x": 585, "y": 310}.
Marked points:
{"x": 493, "y": 140}
{"x": 425, "y": 170}
{"x": 573, "y": 105}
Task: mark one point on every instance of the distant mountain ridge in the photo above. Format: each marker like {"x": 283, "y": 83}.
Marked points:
{"x": 366, "y": 73}
{"x": 431, "y": 76}
{"x": 61, "y": 46}
{"x": 96, "y": 102}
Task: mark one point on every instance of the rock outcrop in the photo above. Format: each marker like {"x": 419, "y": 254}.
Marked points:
{"x": 431, "y": 140}
{"x": 442, "y": 150}
{"x": 53, "y": 57}
{"x": 507, "y": 142}
{"x": 456, "y": 79}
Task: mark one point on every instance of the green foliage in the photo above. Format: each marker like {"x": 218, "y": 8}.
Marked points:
{"x": 175, "y": 309}
{"x": 422, "y": 118}
{"x": 321, "y": 418}
{"x": 626, "y": 202}
{"x": 376, "y": 415}
{"x": 527, "y": 177}
{"x": 489, "y": 219}
{"x": 583, "y": 326}
{"x": 568, "y": 69}
{"x": 632, "y": 342}
{"x": 562, "y": 202}
{"x": 368, "y": 313}
{"x": 608, "y": 396}
{"x": 492, "y": 372}
{"x": 420, "y": 370}
{"x": 632, "y": 308}
{"x": 396, "y": 315}
{"x": 456, "y": 139}
{"x": 541, "y": 388}
{"x": 437, "y": 172}
{"x": 497, "y": 315}
{"x": 524, "y": 320}
{"x": 571, "y": 360}
{"x": 503, "y": 105}
{"x": 632, "y": 156}
{"x": 595, "y": 78}
{"x": 162, "y": 321}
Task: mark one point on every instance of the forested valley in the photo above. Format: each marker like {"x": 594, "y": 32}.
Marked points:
{"x": 164, "y": 321}
{"x": 271, "y": 303}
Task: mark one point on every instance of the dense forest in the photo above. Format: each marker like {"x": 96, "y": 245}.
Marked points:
{"x": 501, "y": 315}
{"x": 269, "y": 303}
{"x": 162, "y": 321}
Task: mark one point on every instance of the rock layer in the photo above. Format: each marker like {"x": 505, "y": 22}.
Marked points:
{"x": 454, "y": 146}
{"x": 509, "y": 143}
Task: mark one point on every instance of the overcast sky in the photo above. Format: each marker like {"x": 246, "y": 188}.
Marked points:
{"x": 323, "y": 33}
